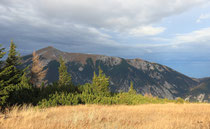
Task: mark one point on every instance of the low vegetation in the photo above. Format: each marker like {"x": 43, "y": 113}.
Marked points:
{"x": 146, "y": 116}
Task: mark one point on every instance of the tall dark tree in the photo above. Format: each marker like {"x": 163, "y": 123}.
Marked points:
{"x": 101, "y": 84}
{"x": 64, "y": 76}
{"x": 13, "y": 58}
{"x": 25, "y": 81}
{"x": 2, "y": 53}
{"x": 10, "y": 75}
{"x": 23, "y": 92}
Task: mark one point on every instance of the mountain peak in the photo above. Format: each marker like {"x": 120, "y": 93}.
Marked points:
{"x": 50, "y": 47}
{"x": 50, "y": 52}
{"x": 47, "y": 49}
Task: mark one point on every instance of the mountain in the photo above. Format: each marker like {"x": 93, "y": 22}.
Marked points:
{"x": 159, "y": 80}
{"x": 200, "y": 92}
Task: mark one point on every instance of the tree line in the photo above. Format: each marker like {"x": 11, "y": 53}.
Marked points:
{"x": 20, "y": 86}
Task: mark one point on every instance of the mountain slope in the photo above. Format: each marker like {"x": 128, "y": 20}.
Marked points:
{"x": 159, "y": 80}
{"x": 201, "y": 92}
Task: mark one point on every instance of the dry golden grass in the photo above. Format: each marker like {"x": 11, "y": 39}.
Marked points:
{"x": 151, "y": 116}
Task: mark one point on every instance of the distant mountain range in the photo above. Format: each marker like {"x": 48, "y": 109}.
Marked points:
{"x": 148, "y": 78}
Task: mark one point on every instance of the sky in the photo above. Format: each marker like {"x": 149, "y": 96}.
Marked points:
{"x": 175, "y": 33}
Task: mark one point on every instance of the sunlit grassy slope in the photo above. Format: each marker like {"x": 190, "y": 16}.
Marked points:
{"x": 150, "y": 116}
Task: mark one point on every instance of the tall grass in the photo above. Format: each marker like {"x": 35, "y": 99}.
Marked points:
{"x": 149, "y": 116}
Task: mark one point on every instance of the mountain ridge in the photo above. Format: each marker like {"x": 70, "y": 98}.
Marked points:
{"x": 153, "y": 78}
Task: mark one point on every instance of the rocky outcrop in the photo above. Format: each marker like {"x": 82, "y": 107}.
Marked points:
{"x": 199, "y": 98}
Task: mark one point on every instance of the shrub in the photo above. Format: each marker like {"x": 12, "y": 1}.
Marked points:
{"x": 58, "y": 99}
{"x": 179, "y": 100}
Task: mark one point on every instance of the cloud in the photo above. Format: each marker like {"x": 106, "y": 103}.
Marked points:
{"x": 146, "y": 31}
{"x": 109, "y": 14}
{"x": 119, "y": 15}
{"x": 203, "y": 17}
{"x": 197, "y": 36}
{"x": 88, "y": 26}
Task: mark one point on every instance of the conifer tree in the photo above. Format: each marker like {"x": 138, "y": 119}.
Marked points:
{"x": 64, "y": 76}
{"x": 131, "y": 90}
{"x": 13, "y": 58}
{"x": 10, "y": 75}
{"x": 25, "y": 81}
{"x": 37, "y": 71}
{"x": 2, "y": 53}
{"x": 101, "y": 84}
{"x": 23, "y": 92}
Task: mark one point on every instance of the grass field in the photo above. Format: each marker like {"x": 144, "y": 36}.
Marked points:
{"x": 151, "y": 116}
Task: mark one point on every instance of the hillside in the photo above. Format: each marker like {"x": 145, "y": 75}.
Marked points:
{"x": 201, "y": 92}
{"x": 159, "y": 80}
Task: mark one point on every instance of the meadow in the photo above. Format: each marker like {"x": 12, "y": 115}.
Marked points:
{"x": 145, "y": 116}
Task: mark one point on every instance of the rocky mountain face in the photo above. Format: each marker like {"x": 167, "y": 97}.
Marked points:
{"x": 159, "y": 80}
{"x": 200, "y": 93}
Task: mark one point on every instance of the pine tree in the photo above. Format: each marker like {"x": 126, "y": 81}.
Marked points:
{"x": 37, "y": 71}
{"x": 22, "y": 93}
{"x": 101, "y": 84}
{"x": 10, "y": 75}
{"x": 131, "y": 90}
{"x": 25, "y": 81}
{"x": 13, "y": 58}
{"x": 64, "y": 76}
{"x": 2, "y": 53}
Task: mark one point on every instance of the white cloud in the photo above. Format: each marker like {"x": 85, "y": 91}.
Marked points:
{"x": 203, "y": 17}
{"x": 194, "y": 40}
{"x": 146, "y": 31}
{"x": 117, "y": 14}
{"x": 198, "y": 36}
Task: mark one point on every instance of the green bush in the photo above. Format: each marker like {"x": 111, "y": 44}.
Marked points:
{"x": 179, "y": 100}
{"x": 58, "y": 99}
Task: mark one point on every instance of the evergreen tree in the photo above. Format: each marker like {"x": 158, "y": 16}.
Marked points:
{"x": 13, "y": 58}
{"x": 2, "y": 53}
{"x": 64, "y": 76}
{"x": 23, "y": 92}
{"x": 10, "y": 75}
{"x": 131, "y": 90}
{"x": 101, "y": 84}
{"x": 37, "y": 71}
{"x": 25, "y": 81}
